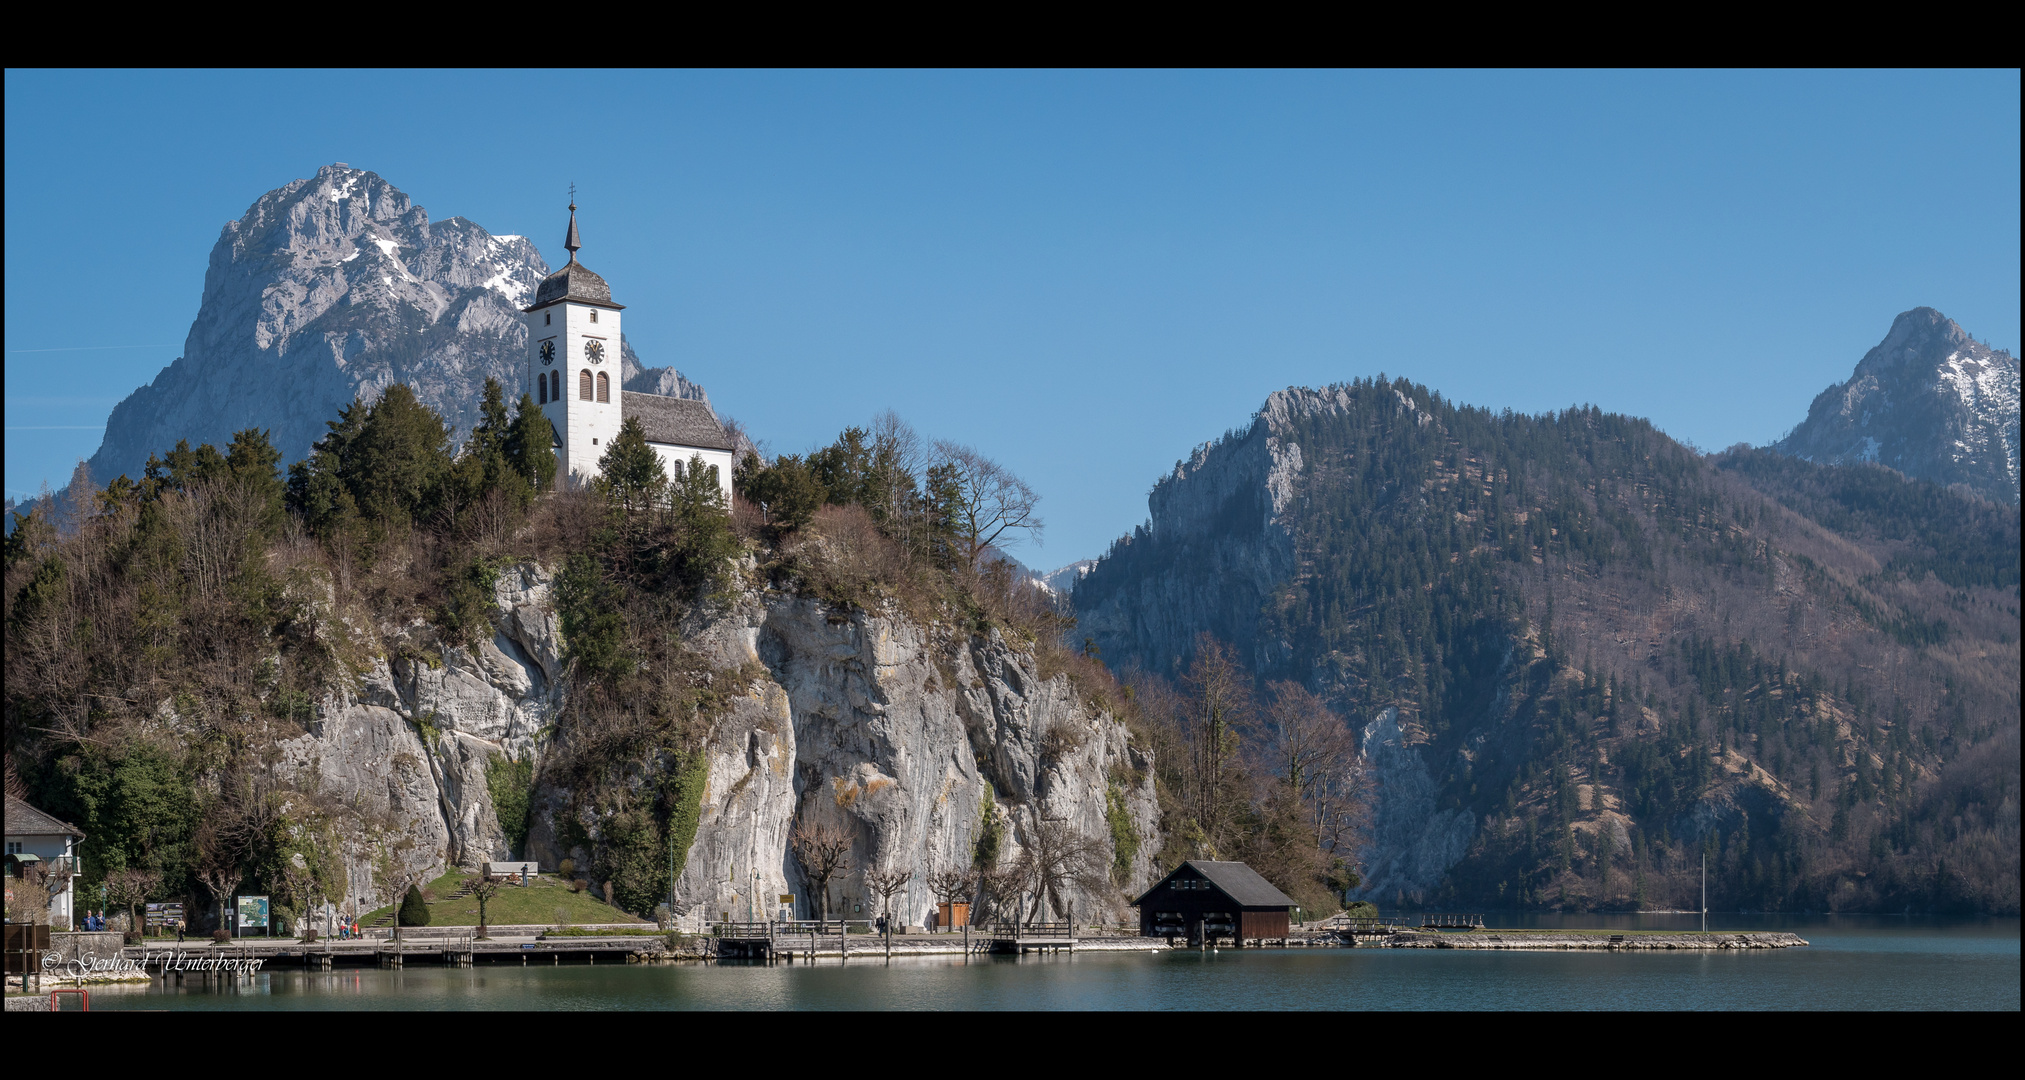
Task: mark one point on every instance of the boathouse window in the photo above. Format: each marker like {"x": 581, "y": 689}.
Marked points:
{"x": 584, "y": 384}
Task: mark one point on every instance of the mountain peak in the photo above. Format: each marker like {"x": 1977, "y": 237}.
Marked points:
{"x": 333, "y": 288}
{"x": 1930, "y": 401}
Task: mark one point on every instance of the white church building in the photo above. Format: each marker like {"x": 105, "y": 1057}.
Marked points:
{"x": 573, "y": 338}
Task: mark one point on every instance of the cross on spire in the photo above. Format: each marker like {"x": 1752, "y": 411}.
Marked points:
{"x": 571, "y": 242}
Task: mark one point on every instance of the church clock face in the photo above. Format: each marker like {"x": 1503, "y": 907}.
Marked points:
{"x": 547, "y": 353}
{"x": 594, "y": 351}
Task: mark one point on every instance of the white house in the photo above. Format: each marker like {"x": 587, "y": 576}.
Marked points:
{"x": 574, "y": 372}
{"x": 41, "y": 846}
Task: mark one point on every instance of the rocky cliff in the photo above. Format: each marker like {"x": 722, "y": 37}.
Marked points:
{"x": 330, "y": 289}
{"x": 1217, "y": 541}
{"x": 908, "y": 737}
{"x": 1929, "y": 401}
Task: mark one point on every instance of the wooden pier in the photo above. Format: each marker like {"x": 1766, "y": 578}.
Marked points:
{"x": 1014, "y": 939}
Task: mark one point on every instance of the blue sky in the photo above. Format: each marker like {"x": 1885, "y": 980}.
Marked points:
{"x": 1084, "y": 274}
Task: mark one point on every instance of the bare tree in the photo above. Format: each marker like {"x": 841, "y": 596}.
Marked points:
{"x": 989, "y": 505}
{"x": 951, "y": 884}
{"x": 484, "y": 887}
{"x": 392, "y": 875}
{"x": 1219, "y": 706}
{"x": 1059, "y": 859}
{"x": 999, "y": 891}
{"x": 301, "y": 886}
{"x": 129, "y": 889}
{"x": 1307, "y": 746}
{"x": 824, "y": 851}
{"x": 886, "y": 881}
{"x": 221, "y": 879}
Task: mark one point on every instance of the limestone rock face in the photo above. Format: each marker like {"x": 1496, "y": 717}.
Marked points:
{"x": 334, "y": 288}
{"x": 889, "y": 730}
{"x": 875, "y": 725}
{"x": 1413, "y": 841}
{"x": 410, "y": 747}
{"x": 1217, "y": 541}
{"x": 1929, "y": 401}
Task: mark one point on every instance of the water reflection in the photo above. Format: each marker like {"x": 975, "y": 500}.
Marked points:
{"x": 1855, "y": 962}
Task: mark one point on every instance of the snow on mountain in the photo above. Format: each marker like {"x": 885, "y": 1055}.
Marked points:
{"x": 1062, "y": 579}
{"x": 334, "y": 288}
{"x": 1929, "y": 401}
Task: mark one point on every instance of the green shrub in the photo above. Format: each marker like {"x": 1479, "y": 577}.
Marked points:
{"x": 1124, "y": 837}
{"x": 510, "y": 782}
{"x": 414, "y": 910}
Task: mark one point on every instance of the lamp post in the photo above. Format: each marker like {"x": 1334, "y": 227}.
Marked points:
{"x": 749, "y": 895}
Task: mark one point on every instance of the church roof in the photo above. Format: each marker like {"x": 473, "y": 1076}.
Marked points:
{"x": 574, "y": 281}
{"x": 674, "y": 421}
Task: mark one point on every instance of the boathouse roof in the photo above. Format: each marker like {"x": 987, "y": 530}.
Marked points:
{"x": 1234, "y": 879}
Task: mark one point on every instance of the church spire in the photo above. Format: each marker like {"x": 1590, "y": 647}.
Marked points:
{"x": 571, "y": 243}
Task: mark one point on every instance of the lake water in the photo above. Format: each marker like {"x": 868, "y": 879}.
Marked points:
{"x": 1854, "y": 962}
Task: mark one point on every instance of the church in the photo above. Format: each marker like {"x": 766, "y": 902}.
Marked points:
{"x": 573, "y": 364}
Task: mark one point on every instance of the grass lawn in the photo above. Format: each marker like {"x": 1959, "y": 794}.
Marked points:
{"x": 535, "y": 904}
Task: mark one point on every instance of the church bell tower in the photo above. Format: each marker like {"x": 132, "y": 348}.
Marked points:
{"x": 573, "y": 339}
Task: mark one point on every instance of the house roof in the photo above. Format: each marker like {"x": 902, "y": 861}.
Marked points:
{"x": 1237, "y": 881}
{"x": 25, "y": 820}
{"x": 674, "y": 421}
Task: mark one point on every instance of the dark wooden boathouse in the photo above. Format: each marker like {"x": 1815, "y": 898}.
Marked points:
{"x": 1202, "y": 901}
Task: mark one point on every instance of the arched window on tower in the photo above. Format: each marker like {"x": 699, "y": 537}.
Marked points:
{"x": 584, "y": 384}
{"x": 555, "y": 386}
{"x": 604, "y": 387}
{"x": 542, "y": 382}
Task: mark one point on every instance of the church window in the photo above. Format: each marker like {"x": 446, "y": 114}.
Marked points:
{"x": 555, "y": 386}
{"x": 594, "y": 315}
{"x": 547, "y": 318}
{"x": 604, "y": 387}
{"x": 543, "y": 380}
{"x": 584, "y": 384}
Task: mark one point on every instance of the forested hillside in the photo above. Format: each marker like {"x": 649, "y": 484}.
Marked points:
{"x": 1615, "y": 654}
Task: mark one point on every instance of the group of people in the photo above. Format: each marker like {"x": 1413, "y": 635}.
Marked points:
{"x": 347, "y": 927}
{"x": 95, "y": 920}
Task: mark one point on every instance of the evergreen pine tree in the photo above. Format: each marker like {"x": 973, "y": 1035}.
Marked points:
{"x": 414, "y": 910}
{"x": 630, "y": 469}
{"x": 530, "y": 445}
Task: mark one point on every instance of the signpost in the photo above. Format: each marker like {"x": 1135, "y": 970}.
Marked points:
{"x": 253, "y": 913}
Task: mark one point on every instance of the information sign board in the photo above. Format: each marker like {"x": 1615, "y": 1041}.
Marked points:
{"x": 162, "y": 918}
{"x": 252, "y": 912}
